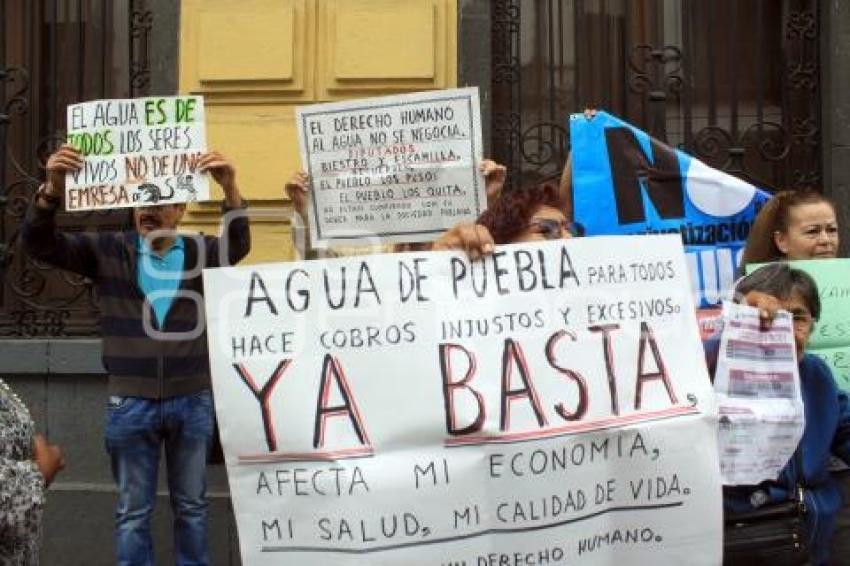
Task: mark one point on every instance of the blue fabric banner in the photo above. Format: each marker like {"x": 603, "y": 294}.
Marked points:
{"x": 626, "y": 182}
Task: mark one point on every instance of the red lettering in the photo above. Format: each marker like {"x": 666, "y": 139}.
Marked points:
{"x": 449, "y": 387}
{"x": 514, "y": 356}
{"x": 331, "y": 369}
{"x": 263, "y": 394}
{"x": 606, "y": 330}
{"x": 647, "y": 337}
{"x": 574, "y": 376}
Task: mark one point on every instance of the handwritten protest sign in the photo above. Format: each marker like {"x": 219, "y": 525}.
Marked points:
{"x": 543, "y": 404}
{"x": 138, "y": 152}
{"x": 392, "y": 169}
{"x": 830, "y": 338}
{"x": 626, "y": 182}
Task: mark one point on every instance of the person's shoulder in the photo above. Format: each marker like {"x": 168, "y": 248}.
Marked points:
{"x": 202, "y": 243}
{"x": 815, "y": 364}
{"x": 105, "y": 240}
{"x": 188, "y": 237}
{"x": 815, "y": 371}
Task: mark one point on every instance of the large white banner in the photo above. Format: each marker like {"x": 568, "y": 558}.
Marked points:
{"x": 400, "y": 168}
{"x": 549, "y": 404}
{"x": 138, "y": 152}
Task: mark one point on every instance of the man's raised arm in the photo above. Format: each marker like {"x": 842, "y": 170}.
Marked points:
{"x": 41, "y": 239}
{"x": 237, "y": 232}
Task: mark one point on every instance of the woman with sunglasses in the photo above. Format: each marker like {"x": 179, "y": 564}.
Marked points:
{"x": 528, "y": 215}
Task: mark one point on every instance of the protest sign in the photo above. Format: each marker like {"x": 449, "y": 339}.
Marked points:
{"x": 830, "y": 337}
{"x": 626, "y": 182}
{"x": 549, "y": 403}
{"x": 137, "y": 152}
{"x": 392, "y": 169}
{"x": 758, "y": 395}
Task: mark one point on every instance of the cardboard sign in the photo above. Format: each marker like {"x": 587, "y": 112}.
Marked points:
{"x": 392, "y": 169}
{"x": 137, "y": 152}
{"x": 626, "y": 182}
{"x": 549, "y": 403}
{"x": 830, "y": 338}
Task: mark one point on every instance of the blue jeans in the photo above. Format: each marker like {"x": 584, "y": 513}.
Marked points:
{"x": 136, "y": 428}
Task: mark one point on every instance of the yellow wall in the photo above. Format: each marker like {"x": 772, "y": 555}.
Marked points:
{"x": 256, "y": 60}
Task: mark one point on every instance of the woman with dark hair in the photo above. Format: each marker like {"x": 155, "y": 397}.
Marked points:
{"x": 793, "y": 225}
{"x": 526, "y": 215}
{"x": 797, "y": 225}
{"x": 827, "y": 414}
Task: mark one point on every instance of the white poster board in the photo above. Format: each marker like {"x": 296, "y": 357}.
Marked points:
{"x": 422, "y": 409}
{"x": 392, "y": 169}
{"x": 137, "y": 152}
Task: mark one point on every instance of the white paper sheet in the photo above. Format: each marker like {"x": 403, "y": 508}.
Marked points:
{"x": 137, "y": 152}
{"x": 401, "y": 168}
{"x": 760, "y": 408}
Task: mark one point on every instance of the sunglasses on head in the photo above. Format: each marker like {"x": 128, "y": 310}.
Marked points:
{"x": 552, "y": 229}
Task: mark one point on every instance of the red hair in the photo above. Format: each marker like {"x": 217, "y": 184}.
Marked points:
{"x": 509, "y": 216}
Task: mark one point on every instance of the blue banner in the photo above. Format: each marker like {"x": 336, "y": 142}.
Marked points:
{"x": 626, "y": 182}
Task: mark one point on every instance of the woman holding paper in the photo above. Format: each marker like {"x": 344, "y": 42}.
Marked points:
{"x": 827, "y": 415}
{"x": 798, "y": 225}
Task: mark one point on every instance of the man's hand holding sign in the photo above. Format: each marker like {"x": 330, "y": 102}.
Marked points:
{"x": 67, "y": 159}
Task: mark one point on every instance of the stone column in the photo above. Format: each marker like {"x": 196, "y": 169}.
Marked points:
{"x": 473, "y": 65}
{"x": 835, "y": 97}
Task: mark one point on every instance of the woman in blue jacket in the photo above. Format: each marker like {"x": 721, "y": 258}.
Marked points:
{"x": 827, "y": 414}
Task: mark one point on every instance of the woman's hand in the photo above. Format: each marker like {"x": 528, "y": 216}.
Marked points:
{"x": 494, "y": 178}
{"x": 48, "y": 457}
{"x": 296, "y": 189}
{"x": 768, "y": 306}
{"x": 472, "y": 238}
